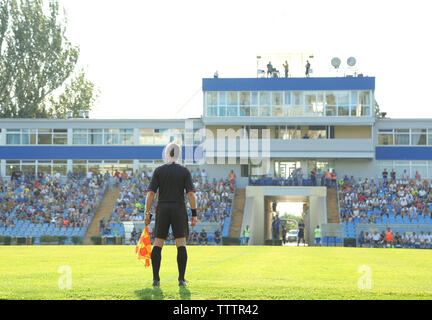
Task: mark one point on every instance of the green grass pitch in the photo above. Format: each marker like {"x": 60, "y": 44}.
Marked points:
{"x": 214, "y": 272}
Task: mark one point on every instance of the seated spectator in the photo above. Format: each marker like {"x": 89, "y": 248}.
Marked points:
{"x": 361, "y": 239}
{"x": 217, "y": 236}
{"x": 193, "y": 237}
{"x": 203, "y": 238}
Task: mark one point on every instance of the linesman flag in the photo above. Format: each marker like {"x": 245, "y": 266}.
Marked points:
{"x": 143, "y": 248}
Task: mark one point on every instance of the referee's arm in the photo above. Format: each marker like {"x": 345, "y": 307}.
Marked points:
{"x": 193, "y": 204}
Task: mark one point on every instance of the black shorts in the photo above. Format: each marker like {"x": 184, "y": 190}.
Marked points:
{"x": 174, "y": 215}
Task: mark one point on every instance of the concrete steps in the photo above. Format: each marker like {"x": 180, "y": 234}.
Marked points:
{"x": 332, "y": 206}
{"x": 105, "y": 211}
{"x": 237, "y": 214}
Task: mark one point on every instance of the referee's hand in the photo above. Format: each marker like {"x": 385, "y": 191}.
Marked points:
{"x": 147, "y": 219}
{"x": 193, "y": 221}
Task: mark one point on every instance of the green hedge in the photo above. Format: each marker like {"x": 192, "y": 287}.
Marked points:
{"x": 5, "y": 240}
{"x": 350, "y": 242}
{"x": 76, "y": 240}
{"x": 21, "y": 240}
{"x": 96, "y": 240}
{"x": 229, "y": 241}
{"x": 51, "y": 239}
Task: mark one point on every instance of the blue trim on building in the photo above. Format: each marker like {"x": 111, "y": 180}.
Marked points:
{"x": 403, "y": 153}
{"x": 85, "y": 152}
{"x": 263, "y": 84}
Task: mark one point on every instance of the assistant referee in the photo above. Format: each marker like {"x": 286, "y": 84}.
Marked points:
{"x": 172, "y": 181}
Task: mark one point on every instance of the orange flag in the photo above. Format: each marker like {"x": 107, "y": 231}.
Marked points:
{"x": 143, "y": 248}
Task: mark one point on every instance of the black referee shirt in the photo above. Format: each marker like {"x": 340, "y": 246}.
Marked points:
{"x": 171, "y": 180}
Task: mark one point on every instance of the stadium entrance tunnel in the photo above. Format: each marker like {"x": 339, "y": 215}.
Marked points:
{"x": 258, "y": 209}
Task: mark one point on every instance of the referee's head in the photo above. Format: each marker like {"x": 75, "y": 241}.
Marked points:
{"x": 172, "y": 153}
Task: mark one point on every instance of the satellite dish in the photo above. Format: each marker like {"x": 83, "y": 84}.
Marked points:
{"x": 351, "y": 61}
{"x": 336, "y": 62}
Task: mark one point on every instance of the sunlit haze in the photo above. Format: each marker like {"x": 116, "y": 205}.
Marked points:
{"x": 148, "y": 57}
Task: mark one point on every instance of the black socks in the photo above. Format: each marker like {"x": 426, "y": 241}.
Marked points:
{"x": 181, "y": 261}
{"x": 156, "y": 261}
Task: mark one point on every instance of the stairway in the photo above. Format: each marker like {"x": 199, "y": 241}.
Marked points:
{"x": 104, "y": 211}
{"x": 332, "y": 206}
{"x": 237, "y": 214}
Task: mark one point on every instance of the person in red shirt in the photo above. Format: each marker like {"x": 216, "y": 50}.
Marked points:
{"x": 389, "y": 237}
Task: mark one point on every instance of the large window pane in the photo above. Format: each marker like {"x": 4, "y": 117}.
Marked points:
{"x": 161, "y": 136}
{"x": 402, "y": 137}
{"x": 287, "y": 98}
{"x": 265, "y": 104}
{"x": 418, "y": 137}
{"x": 365, "y": 98}
{"x": 28, "y": 136}
{"x": 211, "y": 98}
{"x": 13, "y": 138}
{"x": 385, "y": 139}
{"x": 298, "y": 99}
{"x": 45, "y": 136}
{"x": 111, "y": 136}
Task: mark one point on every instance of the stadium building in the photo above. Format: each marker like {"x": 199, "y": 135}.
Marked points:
{"x": 308, "y": 123}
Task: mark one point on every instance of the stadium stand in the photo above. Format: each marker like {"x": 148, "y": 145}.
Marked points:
{"x": 214, "y": 201}
{"x": 367, "y": 205}
{"x": 47, "y": 206}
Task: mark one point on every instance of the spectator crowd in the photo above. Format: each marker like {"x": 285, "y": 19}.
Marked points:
{"x": 46, "y": 199}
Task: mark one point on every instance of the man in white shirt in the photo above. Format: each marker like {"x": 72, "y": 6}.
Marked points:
{"x": 375, "y": 239}
{"x": 422, "y": 240}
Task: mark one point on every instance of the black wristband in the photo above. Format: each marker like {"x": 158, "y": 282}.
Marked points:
{"x": 194, "y": 212}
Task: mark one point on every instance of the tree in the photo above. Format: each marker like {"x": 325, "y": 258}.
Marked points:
{"x": 36, "y": 59}
{"x": 78, "y": 95}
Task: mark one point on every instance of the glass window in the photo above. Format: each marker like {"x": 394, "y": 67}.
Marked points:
{"x": 330, "y": 99}
{"x": 365, "y": 98}
{"x": 13, "y": 136}
{"x": 418, "y": 137}
{"x": 317, "y": 132}
{"x": 265, "y": 104}
{"x": 79, "y": 136}
{"x": 343, "y": 111}
{"x": 245, "y": 98}
{"x": 212, "y": 98}
{"x": 277, "y": 110}
{"x": 45, "y": 136}
{"x": 95, "y": 136}
{"x": 28, "y": 136}
{"x": 245, "y": 102}
{"x": 430, "y": 137}
{"x": 298, "y": 98}
{"x": 354, "y": 103}
{"x": 111, "y": 136}
{"x": 222, "y": 99}
{"x": 232, "y": 99}
{"x": 401, "y": 137}
{"x": 254, "y": 99}
{"x": 385, "y": 137}
{"x": 161, "y": 136}
{"x": 287, "y": 98}
{"x": 126, "y": 136}
{"x": 60, "y": 136}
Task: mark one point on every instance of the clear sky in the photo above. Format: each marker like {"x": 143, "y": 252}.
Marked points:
{"x": 148, "y": 57}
